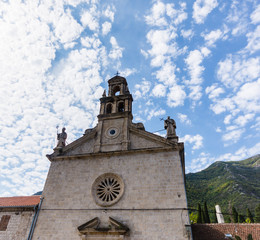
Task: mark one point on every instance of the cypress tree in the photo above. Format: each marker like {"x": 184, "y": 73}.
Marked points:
{"x": 203, "y": 215}
{"x": 249, "y": 237}
{"x": 215, "y": 220}
{"x": 241, "y": 218}
{"x": 207, "y": 219}
{"x": 238, "y": 238}
{"x": 199, "y": 216}
{"x": 257, "y": 213}
{"x": 249, "y": 215}
{"x": 234, "y": 215}
{"x": 228, "y": 220}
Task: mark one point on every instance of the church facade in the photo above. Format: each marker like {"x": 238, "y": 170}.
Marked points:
{"x": 117, "y": 181}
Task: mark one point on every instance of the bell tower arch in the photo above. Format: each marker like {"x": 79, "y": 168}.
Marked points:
{"x": 114, "y": 117}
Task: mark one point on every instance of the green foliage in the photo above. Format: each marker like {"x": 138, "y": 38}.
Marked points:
{"x": 215, "y": 220}
{"x": 238, "y": 238}
{"x": 234, "y": 215}
{"x": 257, "y": 213}
{"x": 241, "y": 218}
{"x": 237, "y": 182}
{"x": 249, "y": 216}
{"x": 193, "y": 217}
{"x": 199, "y": 214}
{"x": 206, "y": 213}
{"x": 228, "y": 220}
{"x": 249, "y": 237}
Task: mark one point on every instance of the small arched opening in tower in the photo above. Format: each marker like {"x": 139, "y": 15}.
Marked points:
{"x": 109, "y": 108}
{"x": 116, "y": 91}
{"x": 121, "y": 107}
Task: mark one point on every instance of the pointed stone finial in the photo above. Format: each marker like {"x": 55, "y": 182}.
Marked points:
{"x": 104, "y": 94}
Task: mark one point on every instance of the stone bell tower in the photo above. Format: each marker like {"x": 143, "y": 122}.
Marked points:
{"x": 115, "y": 117}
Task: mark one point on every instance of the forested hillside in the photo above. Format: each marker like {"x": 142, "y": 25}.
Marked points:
{"x": 234, "y": 183}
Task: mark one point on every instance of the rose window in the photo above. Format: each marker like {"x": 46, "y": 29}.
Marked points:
{"x": 107, "y": 189}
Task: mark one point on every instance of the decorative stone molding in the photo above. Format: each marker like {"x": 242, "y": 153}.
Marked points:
{"x": 91, "y": 229}
{"x": 107, "y": 189}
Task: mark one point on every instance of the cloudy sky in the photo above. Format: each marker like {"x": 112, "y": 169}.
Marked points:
{"x": 196, "y": 61}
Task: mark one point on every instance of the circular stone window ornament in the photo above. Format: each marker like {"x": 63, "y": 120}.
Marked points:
{"x": 107, "y": 189}
{"x": 112, "y": 132}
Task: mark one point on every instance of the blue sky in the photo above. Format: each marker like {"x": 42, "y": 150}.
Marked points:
{"x": 196, "y": 61}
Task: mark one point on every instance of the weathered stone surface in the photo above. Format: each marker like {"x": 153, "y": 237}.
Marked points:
{"x": 18, "y": 226}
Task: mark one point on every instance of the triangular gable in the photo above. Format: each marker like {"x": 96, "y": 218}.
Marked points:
{"x": 138, "y": 138}
{"x": 141, "y": 139}
{"x": 92, "y": 228}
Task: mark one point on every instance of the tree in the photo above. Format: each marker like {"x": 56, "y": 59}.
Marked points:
{"x": 234, "y": 215}
{"x": 249, "y": 216}
{"x": 206, "y": 213}
{"x": 228, "y": 220}
{"x": 193, "y": 217}
{"x": 241, "y": 218}
{"x": 249, "y": 237}
{"x": 199, "y": 216}
{"x": 215, "y": 220}
{"x": 257, "y": 213}
{"x": 238, "y": 238}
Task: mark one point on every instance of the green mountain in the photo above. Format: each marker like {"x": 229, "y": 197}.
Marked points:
{"x": 226, "y": 183}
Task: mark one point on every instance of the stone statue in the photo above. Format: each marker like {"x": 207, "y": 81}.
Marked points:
{"x": 170, "y": 126}
{"x": 61, "y": 137}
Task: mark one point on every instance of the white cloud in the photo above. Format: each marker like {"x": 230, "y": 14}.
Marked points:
{"x": 67, "y": 28}
{"x": 201, "y": 9}
{"x": 193, "y": 62}
{"x": 142, "y": 89}
{"x": 222, "y": 105}
{"x": 176, "y": 96}
{"x": 248, "y": 97}
{"x": 161, "y": 46}
{"x": 196, "y": 141}
{"x": 155, "y": 113}
{"x": 127, "y": 72}
{"x": 184, "y": 119}
{"x": 156, "y": 18}
{"x": 116, "y": 52}
{"x": 205, "y": 159}
{"x": 89, "y": 18}
{"x": 253, "y": 40}
{"x": 106, "y": 27}
{"x": 255, "y": 16}
{"x": 178, "y": 16}
{"x": 234, "y": 70}
{"x": 187, "y": 33}
{"x": 233, "y": 136}
{"x": 212, "y": 37}
{"x": 109, "y": 13}
{"x": 166, "y": 74}
{"x": 227, "y": 119}
{"x": 244, "y": 119}
{"x": 214, "y": 91}
{"x": 159, "y": 90}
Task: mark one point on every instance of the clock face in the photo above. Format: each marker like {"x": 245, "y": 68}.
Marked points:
{"x": 112, "y": 132}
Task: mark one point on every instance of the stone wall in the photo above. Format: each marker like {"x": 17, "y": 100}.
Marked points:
{"x": 151, "y": 206}
{"x": 218, "y": 231}
{"x": 18, "y": 226}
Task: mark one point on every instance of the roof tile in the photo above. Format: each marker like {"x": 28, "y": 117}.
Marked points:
{"x": 19, "y": 201}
